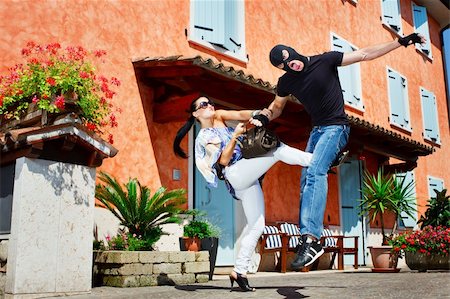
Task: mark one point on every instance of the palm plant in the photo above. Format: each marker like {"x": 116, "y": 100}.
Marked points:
{"x": 138, "y": 210}
{"x": 404, "y": 197}
{"x": 377, "y": 197}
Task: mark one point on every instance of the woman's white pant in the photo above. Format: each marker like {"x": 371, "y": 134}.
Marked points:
{"x": 243, "y": 176}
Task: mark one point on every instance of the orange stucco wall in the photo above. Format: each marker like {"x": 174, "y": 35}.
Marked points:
{"x": 129, "y": 29}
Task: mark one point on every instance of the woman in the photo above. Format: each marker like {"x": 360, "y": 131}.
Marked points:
{"x": 217, "y": 155}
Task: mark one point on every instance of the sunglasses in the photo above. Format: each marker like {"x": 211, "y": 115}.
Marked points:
{"x": 203, "y": 105}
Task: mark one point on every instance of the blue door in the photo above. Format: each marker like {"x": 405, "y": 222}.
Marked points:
{"x": 350, "y": 175}
{"x": 219, "y": 206}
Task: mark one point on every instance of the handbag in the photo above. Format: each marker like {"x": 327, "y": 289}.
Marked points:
{"x": 257, "y": 142}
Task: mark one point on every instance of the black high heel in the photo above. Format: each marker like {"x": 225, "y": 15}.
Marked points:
{"x": 242, "y": 282}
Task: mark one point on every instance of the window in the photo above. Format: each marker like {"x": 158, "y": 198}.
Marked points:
{"x": 398, "y": 100}
{"x": 6, "y": 196}
{"x": 390, "y": 15}
{"x": 219, "y": 25}
{"x": 404, "y": 219}
{"x": 430, "y": 116}
{"x": 350, "y": 75}
{"x": 434, "y": 184}
{"x": 421, "y": 26}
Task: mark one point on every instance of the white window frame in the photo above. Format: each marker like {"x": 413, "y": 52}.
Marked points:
{"x": 355, "y": 69}
{"x": 427, "y": 33}
{"x": 436, "y": 116}
{"x": 387, "y": 25}
{"x": 405, "y": 101}
{"x": 241, "y": 55}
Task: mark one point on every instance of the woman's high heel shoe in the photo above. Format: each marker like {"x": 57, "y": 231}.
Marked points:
{"x": 242, "y": 282}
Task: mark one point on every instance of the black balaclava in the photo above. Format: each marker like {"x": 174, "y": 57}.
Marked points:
{"x": 276, "y": 58}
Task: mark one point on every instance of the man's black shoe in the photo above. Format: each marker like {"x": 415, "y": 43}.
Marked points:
{"x": 340, "y": 159}
{"x": 307, "y": 254}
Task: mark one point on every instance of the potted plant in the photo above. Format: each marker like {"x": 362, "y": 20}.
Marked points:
{"x": 428, "y": 248}
{"x": 385, "y": 193}
{"x": 197, "y": 229}
{"x": 53, "y": 80}
{"x": 425, "y": 249}
{"x": 139, "y": 211}
{"x": 200, "y": 234}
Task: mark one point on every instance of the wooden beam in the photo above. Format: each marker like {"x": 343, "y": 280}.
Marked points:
{"x": 173, "y": 109}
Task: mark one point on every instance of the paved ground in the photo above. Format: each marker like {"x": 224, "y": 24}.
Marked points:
{"x": 317, "y": 284}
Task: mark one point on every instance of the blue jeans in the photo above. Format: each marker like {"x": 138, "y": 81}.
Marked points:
{"x": 325, "y": 143}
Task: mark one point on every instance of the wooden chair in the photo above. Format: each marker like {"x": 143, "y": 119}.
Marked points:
{"x": 335, "y": 245}
{"x": 284, "y": 237}
{"x": 272, "y": 242}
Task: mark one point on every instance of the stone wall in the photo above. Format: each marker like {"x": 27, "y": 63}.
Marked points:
{"x": 150, "y": 268}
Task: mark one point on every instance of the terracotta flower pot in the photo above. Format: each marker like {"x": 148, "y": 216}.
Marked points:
{"x": 192, "y": 244}
{"x": 382, "y": 259}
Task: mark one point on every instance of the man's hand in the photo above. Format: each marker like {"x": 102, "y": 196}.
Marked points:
{"x": 262, "y": 118}
{"x": 413, "y": 38}
{"x": 259, "y": 120}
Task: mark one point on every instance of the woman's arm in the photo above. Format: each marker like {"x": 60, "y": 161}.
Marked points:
{"x": 227, "y": 152}
{"x": 240, "y": 115}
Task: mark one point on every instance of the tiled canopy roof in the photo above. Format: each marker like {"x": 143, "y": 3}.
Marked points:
{"x": 184, "y": 76}
{"x": 67, "y": 142}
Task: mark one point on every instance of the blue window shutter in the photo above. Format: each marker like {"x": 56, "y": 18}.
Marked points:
{"x": 427, "y": 114}
{"x": 421, "y": 25}
{"x": 435, "y": 119}
{"x": 431, "y": 124}
{"x": 344, "y": 72}
{"x": 396, "y": 98}
{"x": 404, "y": 95}
{"x": 434, "y": 183}
{"x": 232, "y": 25}
{"x": 407, "y": 220}
{"x": 356, "y": 84}
{"x": 391, "y": 14}
{"x": 209, "y": 20}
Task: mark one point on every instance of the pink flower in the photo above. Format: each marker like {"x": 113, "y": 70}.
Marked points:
{"x": 35, "y": 99}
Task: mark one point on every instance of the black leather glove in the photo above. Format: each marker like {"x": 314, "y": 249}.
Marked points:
{"x": 262, "y": 118}
{"x": 413, "y": 38}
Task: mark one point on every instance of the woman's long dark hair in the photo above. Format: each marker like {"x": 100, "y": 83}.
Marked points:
{"x": 184, "y": 130}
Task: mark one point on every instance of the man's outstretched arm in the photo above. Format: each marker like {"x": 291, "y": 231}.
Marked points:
{"x": 373, "y": 52}
{"x": 273, "y": 111}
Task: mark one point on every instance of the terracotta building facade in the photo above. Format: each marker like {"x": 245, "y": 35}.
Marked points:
{"x": 166, "y": 53}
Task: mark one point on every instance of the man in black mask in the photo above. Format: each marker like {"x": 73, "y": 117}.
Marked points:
{"x": 314, "y": 81}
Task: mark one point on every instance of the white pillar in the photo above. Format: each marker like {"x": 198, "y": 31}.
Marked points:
{"x": 50, "y": 246}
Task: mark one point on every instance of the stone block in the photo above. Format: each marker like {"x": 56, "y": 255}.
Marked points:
{"x": 128, "y": 269}
{"x": 3, "y": 251}
{"x": 196, "y": 267}
{"x": 121, "y": 281}
{"x": 202, "y": 256}
{"x": 154, "y": 257}
{"x": 178, "y": 279}
{"x": 117, "y": 257}
{"x": 148, "y": 280}
{"x": 167, "y": 268}
{"x": 201, "y": 278}
{"x": 182, "y": 256}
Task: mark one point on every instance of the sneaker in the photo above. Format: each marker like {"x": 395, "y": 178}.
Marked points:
{"x": 308, "y": 254}
{"x": 339, "y": 159}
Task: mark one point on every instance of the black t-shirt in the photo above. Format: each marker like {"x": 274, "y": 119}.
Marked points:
{"x": 318, "y": 89}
